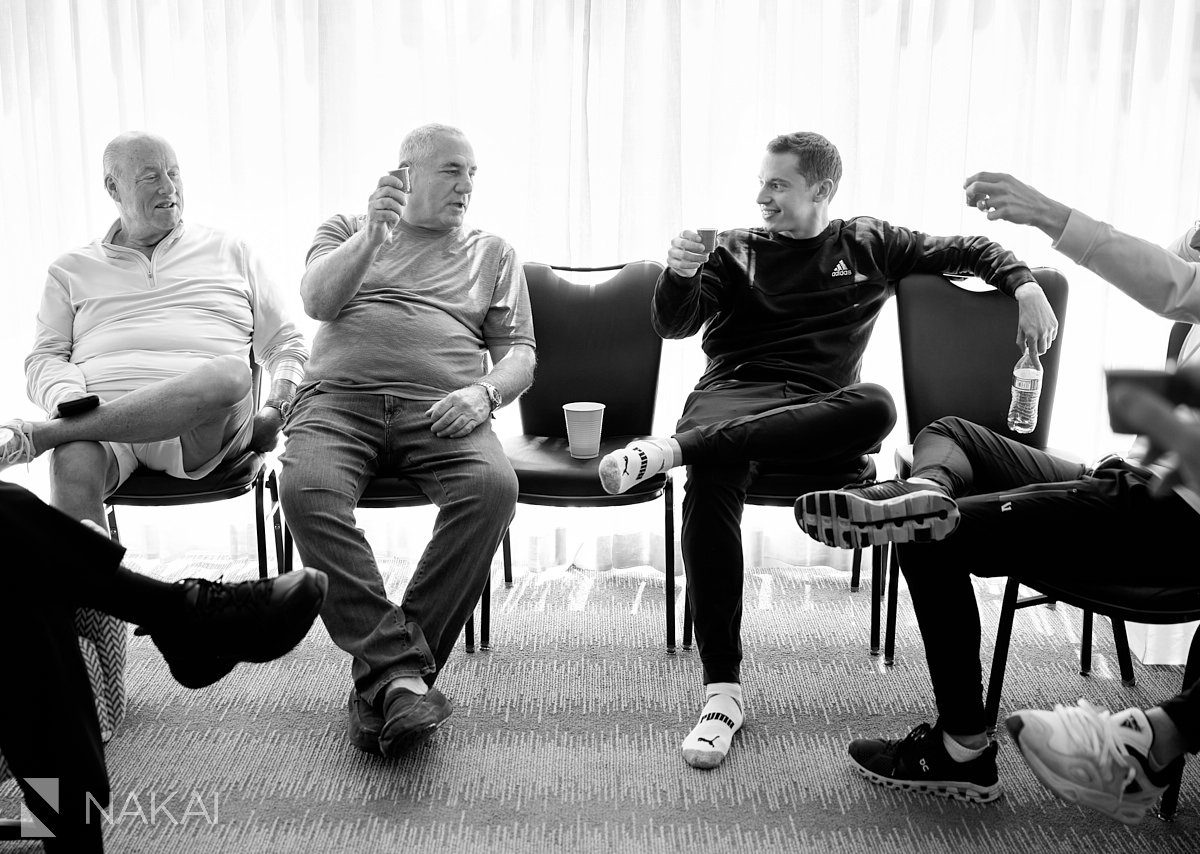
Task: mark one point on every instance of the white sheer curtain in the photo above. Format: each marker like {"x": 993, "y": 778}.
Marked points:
{"x": 603, "y": 127}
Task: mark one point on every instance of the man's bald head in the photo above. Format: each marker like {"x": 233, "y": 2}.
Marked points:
{"x": 120, "y": 148}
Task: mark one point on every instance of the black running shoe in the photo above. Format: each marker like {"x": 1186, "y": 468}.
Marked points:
{"x": 919, "y": 763}
{"x": 892, "y": 511}
{"x": 223, "y": 624}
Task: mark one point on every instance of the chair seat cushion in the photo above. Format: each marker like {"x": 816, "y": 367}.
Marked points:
{"x": 389, "y": 490}
{"x": 155, "y": 487}
{"x": 781, "y": 486}
{"x": 545, "y": 468}
{"x": 1141, "y": 603}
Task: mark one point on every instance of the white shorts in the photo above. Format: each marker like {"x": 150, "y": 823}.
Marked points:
{"x": 167, "y": 455}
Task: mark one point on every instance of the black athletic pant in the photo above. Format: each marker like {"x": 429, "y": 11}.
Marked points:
{"x": 48, "y": 724}
{"x": 726, "y": 434}
{"x": 1184, "y": 711}
{"x": 1025, "y": 512}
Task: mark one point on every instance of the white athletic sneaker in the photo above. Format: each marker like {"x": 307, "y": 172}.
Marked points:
{"x": 16, "y": 443}
{"x": 1091, "y": 757}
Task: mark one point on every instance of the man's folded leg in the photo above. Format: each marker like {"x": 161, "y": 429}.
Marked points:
{"x": 203, "y": 628}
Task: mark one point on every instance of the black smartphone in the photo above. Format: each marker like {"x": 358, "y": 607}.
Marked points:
{"x": 80, "y": 404}
{"x": 1163, "y": 383}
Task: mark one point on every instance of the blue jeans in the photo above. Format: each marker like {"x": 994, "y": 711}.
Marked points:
{"x": 335, "y": 444}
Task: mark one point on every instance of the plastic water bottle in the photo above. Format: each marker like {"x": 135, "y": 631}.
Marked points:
{"x": 1026, "y": 390}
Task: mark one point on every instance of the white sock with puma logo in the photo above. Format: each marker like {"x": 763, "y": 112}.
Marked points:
{"x": 636, "y": 462}
{"x": 711, "y": 738}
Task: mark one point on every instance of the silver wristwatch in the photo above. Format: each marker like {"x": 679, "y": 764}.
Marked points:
{"x": 493, "y": 393}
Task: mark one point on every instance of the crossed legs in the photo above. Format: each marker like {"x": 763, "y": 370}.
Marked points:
{"x": 336, "y": 443}
{"x": 722, "y": 436}
{"x": 204, "y": 408}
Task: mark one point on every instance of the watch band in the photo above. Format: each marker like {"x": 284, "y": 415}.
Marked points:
{"x": 493, "y": 393}
{"x": 284, "y": 406}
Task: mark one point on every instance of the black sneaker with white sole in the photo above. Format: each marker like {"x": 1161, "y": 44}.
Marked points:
{"x": 892, "y": 511}
{"x": 919, "y": 763}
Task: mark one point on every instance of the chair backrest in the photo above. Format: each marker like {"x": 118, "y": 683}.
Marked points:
{"x": 594, "y": 342}
{"x": 1179, "y": 331}
{"x": 958, "y": 348}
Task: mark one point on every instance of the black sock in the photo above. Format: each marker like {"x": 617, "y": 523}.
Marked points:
{"x": 137, "y": 598}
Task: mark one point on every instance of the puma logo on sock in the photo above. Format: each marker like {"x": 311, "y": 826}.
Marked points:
{"x": 626, "y": 469}
{"x": 711, "y": 742}
{"x": 717, "y": 716}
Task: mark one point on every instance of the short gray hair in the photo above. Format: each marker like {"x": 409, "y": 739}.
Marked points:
{"x": 421, "y": 142}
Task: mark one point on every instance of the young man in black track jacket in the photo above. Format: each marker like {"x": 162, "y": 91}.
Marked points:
{"x": 785, "y": 311}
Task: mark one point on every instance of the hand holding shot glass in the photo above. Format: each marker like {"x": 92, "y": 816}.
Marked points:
{"x": 386, "y": 203}
{"x": 690, "y": 250}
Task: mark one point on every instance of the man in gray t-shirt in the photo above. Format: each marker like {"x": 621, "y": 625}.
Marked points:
{"x": 412, "y": 304}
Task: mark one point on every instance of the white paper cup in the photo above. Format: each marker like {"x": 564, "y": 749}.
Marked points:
{"x": 584, "y": 422}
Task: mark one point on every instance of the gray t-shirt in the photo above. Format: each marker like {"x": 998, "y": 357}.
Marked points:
{"x": 428, "y": 308}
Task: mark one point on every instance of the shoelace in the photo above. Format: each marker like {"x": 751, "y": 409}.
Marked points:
{"x": 23, "y": 449}
{"x": 914, "y": 738}
{"x": 216, "y": 596}
{"x": 1090, "y": 728}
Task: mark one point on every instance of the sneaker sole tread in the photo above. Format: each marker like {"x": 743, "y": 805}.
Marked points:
{"x": 953, "y": 789}
{"x": 845, "y": 520}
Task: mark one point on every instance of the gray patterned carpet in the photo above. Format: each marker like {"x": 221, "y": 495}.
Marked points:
{"x": 565, "y": 738}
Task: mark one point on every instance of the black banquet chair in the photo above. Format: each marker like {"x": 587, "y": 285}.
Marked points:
{"x": 247, "y": 473}
{"x": 957, "y": 350}
{"x": 594, "y": 343}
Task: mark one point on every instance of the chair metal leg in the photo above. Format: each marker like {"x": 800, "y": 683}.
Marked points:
{"x": 276, "y": 518}
{"x": 469, "y": 633}
{"x": 687, "y": 623}
{"x": 288, "y": 548}
{"x": 877, "y": 575}
{"x": 1000, "y": 653}
{"x": 485, "y": 614}
{"x": 260, "y": 524}
{"x": 856, "y": 571}
{"x": 889, "y": 639}
{"x": 1124, "y": 659}
{"x": 669, "y": 560}
{"x": 112, "y": 524}
{"x": 507, "y": 546}
{"x": 1085, "y": 645}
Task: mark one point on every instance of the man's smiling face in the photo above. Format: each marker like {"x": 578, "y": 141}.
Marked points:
{"x": 788, "y": 202}
{"x": 148, "y": 189}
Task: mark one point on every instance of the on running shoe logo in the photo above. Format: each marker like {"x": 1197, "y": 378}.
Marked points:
{"x": 1006, "y": 506}
{"x": 924, "y": 766}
